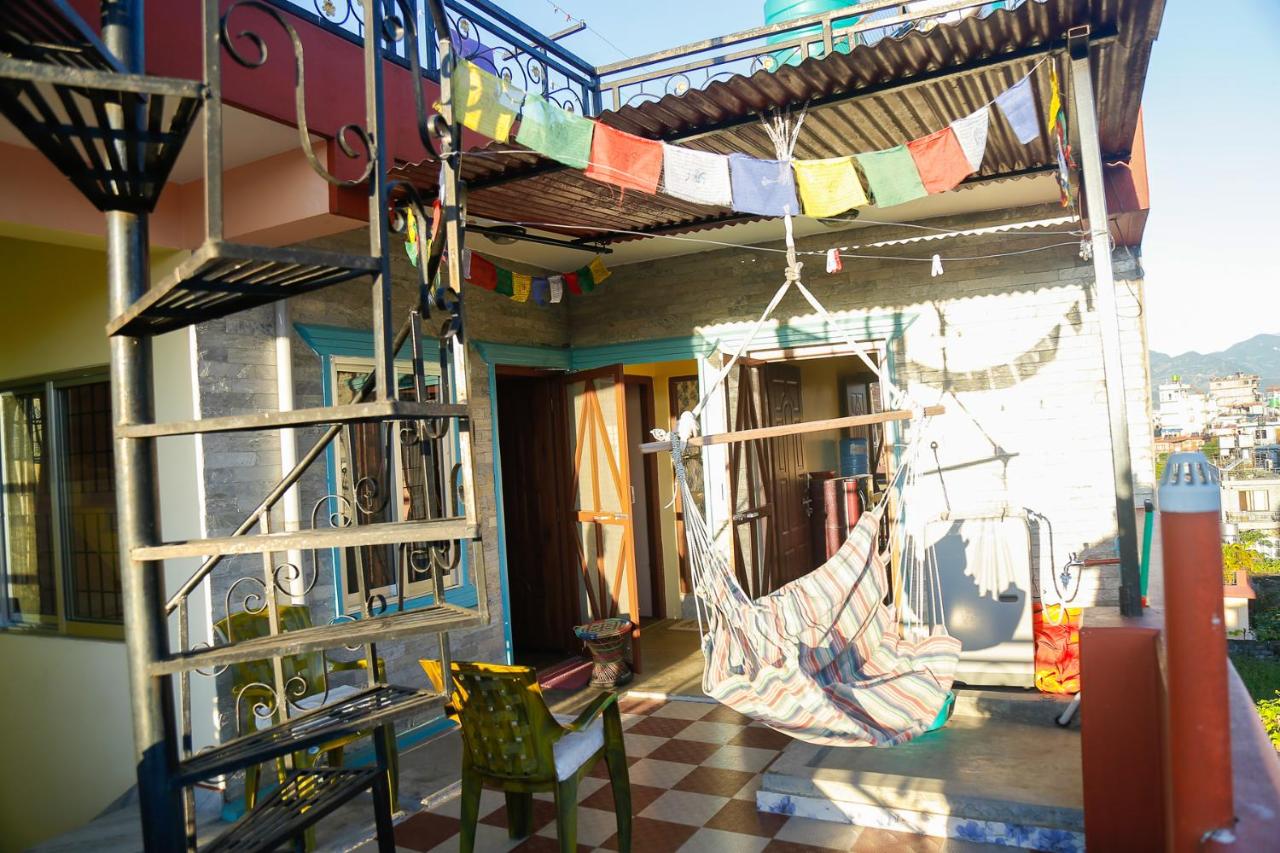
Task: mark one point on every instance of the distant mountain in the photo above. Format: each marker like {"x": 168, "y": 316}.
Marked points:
{"x": 1260, "y": 354}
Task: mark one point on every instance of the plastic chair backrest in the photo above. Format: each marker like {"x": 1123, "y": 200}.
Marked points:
{"x": 304, "y": 674}
{"x": 507, "y": 729}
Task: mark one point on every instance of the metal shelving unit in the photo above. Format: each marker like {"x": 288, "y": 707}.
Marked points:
{"x": 115, "y": 132}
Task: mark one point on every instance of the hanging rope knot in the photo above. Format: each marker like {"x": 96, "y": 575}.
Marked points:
{"x": 793, "y": 271}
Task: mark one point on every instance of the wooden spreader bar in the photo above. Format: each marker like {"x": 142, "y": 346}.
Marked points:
{"x": 793, "y": 429}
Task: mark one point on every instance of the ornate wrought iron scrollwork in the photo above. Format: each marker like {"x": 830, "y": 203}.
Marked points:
{"x": 361, "y": 147}
{"x": 520, "y": 68}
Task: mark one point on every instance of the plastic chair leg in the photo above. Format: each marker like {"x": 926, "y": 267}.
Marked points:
{"x": 470, "y": 813}
{"x": 567, "y": 814}
{"x": 519, "y": 814}
{"x": 615, "y": 756}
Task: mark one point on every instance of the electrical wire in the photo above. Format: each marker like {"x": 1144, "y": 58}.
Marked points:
{"x": 568, "y": 16}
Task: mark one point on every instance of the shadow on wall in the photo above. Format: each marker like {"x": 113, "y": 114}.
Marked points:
{"x": 997, "y": 376}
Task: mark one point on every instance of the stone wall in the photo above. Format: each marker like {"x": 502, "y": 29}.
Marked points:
{"x": 1256, "y": 649}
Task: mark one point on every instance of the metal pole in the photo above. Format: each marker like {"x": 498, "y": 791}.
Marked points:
{"x": 128, "y": 277}
{"x": 1105, "y": 308}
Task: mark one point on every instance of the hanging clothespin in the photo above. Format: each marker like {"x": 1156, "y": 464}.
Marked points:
{"x": 834, "y": 262}
{"x": 936, "y": 269}
{"x": 1086, "y": 249}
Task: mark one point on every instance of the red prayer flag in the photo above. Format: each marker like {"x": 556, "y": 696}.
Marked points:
{"x": 940, "y": 160}
{"x": 571, "y": 282}
{"x": 483, "y": 273}
{"x": 629, "y": 161}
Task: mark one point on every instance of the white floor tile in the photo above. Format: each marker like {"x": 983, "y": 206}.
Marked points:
{"x": 746, "y": 758}
{"x": 594, "y": 827}
{"x": 638, "y": 746}
{"x": 707, "y": 732}
{"x": 718, "y": 841}
{"x": 819, "y": 833}
{"x": 658, "y": 774}
{"x": 685, "y": 807}
{"x": 684, "y": 710}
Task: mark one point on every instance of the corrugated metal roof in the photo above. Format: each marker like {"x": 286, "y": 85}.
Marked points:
{"x": 872, "y": 97}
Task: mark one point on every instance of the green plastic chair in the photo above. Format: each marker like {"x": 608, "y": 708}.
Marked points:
{"x": 513, "y": 743}
{"x": 306, "y": 678}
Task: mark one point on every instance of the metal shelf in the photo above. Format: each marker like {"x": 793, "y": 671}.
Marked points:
{"x": 222, "y": 278}
{"x": 353, "y": 715}
{"x": 64, "y": 111}
{"x": 354, "y": 536}
{"x": 435, "y": 619}
{"x": 387, "y": 410}
{"x": 306, "y": 797}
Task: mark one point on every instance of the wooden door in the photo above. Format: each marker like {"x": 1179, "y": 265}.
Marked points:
{"x": 789, "y": 482}
{"x": 541, "y": 561}
{"x": 600, "y": 496}
{"x": 751, "y": 484}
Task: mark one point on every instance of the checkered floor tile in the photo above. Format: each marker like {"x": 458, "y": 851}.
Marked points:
{"x": 694, "y": 770}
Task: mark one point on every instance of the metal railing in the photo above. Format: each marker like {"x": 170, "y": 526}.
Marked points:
{"x": 498, "y": 41}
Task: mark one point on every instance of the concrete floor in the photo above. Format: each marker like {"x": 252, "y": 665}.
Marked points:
{"x": 1000, "y": 761}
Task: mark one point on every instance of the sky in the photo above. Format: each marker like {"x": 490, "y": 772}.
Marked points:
{"x": 1212, "y": 245}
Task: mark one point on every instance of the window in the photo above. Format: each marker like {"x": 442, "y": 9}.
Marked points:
{"x": 359, "y": 475}
{"x": 59, "y": 565}
{"x": 1255, "y": 500}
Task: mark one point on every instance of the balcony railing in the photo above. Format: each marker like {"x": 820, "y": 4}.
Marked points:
{"x": 1253, "y": 516}
{"x": 505, "y": 45}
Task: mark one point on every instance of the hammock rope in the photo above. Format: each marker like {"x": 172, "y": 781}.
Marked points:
{"x": 823, "y": 658}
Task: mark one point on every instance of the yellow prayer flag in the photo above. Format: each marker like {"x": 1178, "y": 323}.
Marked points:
{"x": 1055, "y": 100}
{"x": 599, "y": 272}
{"x": 521, "y": 286}
{"x": 829, "y": 187}
{"x": 484, "y": 102}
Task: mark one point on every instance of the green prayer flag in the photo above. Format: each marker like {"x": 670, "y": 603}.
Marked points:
{"x": 504, "y": 283}
{"x": 555, "y": 132}
{"x": 892, "y": 176}
{"x": 586, "y": 280}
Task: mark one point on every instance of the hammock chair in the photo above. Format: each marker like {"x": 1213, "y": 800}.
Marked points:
{"x": 824, "y": 658}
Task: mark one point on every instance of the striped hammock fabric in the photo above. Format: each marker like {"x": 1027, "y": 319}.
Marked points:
{"x": 822, "y": 659}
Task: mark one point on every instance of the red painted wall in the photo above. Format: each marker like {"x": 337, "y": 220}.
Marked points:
{"x": 333, "y": 69}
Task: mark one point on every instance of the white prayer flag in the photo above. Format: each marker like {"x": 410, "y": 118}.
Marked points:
{"x": 1018, "y": 104}
{"x": 972, "y": 133}
{"x": 697, "y": 176}
{"x": 556, "y": 283}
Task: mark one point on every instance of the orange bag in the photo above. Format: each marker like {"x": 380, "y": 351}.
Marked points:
{"x": 1057, "y": 632}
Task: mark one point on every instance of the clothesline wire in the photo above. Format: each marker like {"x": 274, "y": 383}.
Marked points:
{"x": 807, "y": 253}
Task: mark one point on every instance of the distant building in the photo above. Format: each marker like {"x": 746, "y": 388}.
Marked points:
{"x": 1178, "y": 443}
{"x": 1252, "y": 504}
{"x": 1183, "y": 410}
{"x": 1239, "y": 390}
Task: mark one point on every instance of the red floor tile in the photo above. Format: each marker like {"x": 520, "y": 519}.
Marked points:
{"x": 601, "y": 769}
{"x": 426, "y": 830}
{"x": 742, "y": 816}
{"x": 641, "y": 797}
{"x": 725, "y": 714}
{"x": 658, "y": 726}
{"x": 654, "y": 836}
{"x": 541, "y": 844}
{"x": 761, "y": 738}
{"x": 713, "y": 780}
{"x": 544, "y": 812}
{"x": 684, "y": 751}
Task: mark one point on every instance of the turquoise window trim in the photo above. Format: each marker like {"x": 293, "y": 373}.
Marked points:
{"x": 788, "y": 334}
{"x": 329, "y": 342}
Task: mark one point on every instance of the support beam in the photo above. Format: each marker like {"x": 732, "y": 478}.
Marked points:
{"x": 155, "y": 730}
{"x": 792, "y": 429}
{"x": 1109, "y": 323}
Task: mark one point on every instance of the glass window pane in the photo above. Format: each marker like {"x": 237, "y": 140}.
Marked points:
{"x": 92, "y": 559}
{"x": 28, "y": 522}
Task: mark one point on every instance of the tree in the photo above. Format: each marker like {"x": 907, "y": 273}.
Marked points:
{"x": 1210, "y": 450}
